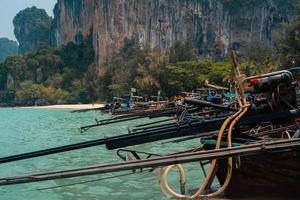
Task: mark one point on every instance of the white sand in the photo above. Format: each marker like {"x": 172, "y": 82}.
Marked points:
{"x": 70, "y": 106}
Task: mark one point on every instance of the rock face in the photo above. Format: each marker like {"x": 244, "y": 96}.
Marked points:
{"x": 212, "y": 26}
{"x": 32, "y": 26}
{"x": 7, "y": 48}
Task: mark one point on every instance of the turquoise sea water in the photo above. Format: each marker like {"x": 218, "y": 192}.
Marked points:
{"x": 24, "y": 130}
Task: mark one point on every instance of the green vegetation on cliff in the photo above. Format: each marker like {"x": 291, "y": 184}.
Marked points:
{"x": 289, "y": 46}
{"x": 288, "y": 41}
{"x": 7, "y": 48}
{"x": 68, "y": 75}
{"x": 54, "y": 75}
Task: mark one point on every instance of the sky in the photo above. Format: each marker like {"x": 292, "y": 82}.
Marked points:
{"x": 10, "y": 8}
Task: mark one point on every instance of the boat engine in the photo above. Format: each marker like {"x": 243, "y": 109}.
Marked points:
{"x": 271, "y": 92}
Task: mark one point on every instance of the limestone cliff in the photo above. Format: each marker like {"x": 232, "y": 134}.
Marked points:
{"x": 32, "y": 26}
{"x": 211, "y": 26}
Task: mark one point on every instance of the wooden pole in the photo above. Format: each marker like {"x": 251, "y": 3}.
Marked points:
{"x": 246, "y": 150}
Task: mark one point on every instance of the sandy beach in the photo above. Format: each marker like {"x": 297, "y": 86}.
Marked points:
{"x": 69, "y": 106}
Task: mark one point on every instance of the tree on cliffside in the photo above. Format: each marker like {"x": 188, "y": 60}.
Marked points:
{"x": 7, "y": 48}
{"x": 288, "y": 42}
{"x": 181, "y": 52}
{"x": 289, "y": 46}
{"x": 32, "y": 26}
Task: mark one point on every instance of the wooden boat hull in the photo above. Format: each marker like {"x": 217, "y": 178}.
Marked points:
{"x": 269, "y": 175}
